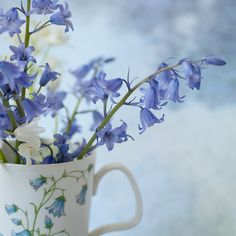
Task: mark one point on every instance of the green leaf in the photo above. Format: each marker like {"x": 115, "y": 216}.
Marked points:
{"x": 2, "y": 157}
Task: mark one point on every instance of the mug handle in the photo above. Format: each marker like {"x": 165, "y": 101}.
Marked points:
{"x": 139, "y": 205}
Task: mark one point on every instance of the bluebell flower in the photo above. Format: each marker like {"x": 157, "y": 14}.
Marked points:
{"x": 10, "y": 22}
{"x": 5, "y": 123}
{"x": 192, "y": 74}
{"x": 81, "y": 197}
{"x": 62, "y": 17}
{"x": 63, "y": 147}
{"x": 48, "y": 75}
{"x": 148, "y": 119}
{"x": 110, "y": 136}
{"x": 49, "y": 160}
{"x": 57, "y": 208}
{"x": 55, "y": 102}
{"x": 74, "y": 129}
{"x": 78, "y": 150}
{"x": 101, "y": 88}
{"x": 211, "y": 60}
{"x": 22, "y": 55}
{"x": 97, "y": 119}
{"x": 22, "y": 233}
{"x": 32, "y": 108}
{"x": 151, "y": 95}
{"x": 44, "y": 6}
{"x": 9, "y": 73}
{"x": 10, "y": 209}
{"x": 16, "y": 221}
{"x": 38, "y": 183}
{"x": 48, "y": 222}
{"x": 173, "y": 91}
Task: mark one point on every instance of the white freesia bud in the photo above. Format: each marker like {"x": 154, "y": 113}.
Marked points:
{"x": 29, "y": 134}
{"x": 30, "y": 152}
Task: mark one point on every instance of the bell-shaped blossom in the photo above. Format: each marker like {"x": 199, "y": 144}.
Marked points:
{"x": 9, "y": 74}
{"x": 97, "y": 119}
{"x": 57, "y": 208}
{"x": 62, "y": 17}
{"x": 10, "y": 209}
{"x": 148, "y": 119}
{"x": 110, "y": 136}
{"x": 211, "y": 60}
{"x": 5, "y": 123}
{"x": 22, "y": 55}
{"x": 101, "y": 88}
{"x": 48, "y": 222}
{"x": 55, "y": 102}
{"x": 192, "y": 74}
{"x": 44, "y": 6}
{"x": 38, "y": 182}
{"x": 10, "y": 22}
{"x": 173, "y": 91}
{"x": 22, "y": 233}
{"x": 16, "y": 221}
{"x": 81, "y": 197}
{"x": 61, "y": 142}
{"x": 48, "y": 75}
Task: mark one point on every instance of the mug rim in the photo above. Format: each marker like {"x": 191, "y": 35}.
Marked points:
{"x": 54, "y": 165}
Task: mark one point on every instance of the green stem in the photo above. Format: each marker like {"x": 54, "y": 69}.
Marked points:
{"x": 27, "y": 40}
{"x": 3, "y": 158}
{"x": 119, "y": 105}
{"x": 71, "y": 119}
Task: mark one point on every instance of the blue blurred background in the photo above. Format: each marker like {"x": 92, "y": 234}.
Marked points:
{"x": 186, "y": 166}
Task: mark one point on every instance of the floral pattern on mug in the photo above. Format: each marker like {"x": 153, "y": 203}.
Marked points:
{"x": 53, "y": 202}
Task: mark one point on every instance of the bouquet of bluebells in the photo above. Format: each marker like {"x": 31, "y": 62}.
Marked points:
{"x": 26, "y": 94}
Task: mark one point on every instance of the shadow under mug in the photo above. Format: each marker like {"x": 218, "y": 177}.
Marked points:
{"x": 55, "y": 199}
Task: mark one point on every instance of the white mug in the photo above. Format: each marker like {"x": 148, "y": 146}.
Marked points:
{"x": 55, "y": 199}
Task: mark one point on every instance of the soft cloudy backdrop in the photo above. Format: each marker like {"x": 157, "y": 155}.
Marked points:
{"x": 186, "y": 166}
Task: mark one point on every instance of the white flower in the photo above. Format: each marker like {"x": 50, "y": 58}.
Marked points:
{"x": 29, "y": 133}
{"x": 30, "y": 152}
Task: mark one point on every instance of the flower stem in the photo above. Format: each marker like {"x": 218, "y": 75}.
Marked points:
{"x": 119, "y": 105}
{"x": 71, "y": 119}
{"x": 2, "y": 157}
{"x": 27, "y": 39}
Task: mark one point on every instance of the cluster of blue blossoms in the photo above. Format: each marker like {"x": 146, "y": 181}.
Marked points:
{"x": 22, "y": 80}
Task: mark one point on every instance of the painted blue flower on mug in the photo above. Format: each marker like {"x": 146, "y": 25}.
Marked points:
{"x": 10, "y": 209}
{"x": 22, "y": 233}
{"x": 80, "y": 198}
{"x": 56, "y": 208}
{"x": 39, "y": 182}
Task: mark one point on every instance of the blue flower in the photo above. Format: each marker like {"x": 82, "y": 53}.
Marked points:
{"x": 35, "y": 107}
{"x": 44, "y": 6}
{"x": 97, "y": 118}
{"x": 148, "y": 119}
{"x": 63, "y": 147}
{"x": 9, "y": 74}
{"x": 101, "y": 88}
{"x": 38, "y": 183}
{"x": 81, "y": 197}
{"x": 48, "y": 222}
{"x": 192, "y": 74}
{"x": 57, "y": 208}
{"x": 10, "y": 22}
{"x": 16, "y": 221}
{"x": 110, "y": 136}
{"x": 48, "y": 75}
{"x": 22, "y": 55}
{"x": 49, "y": 160}
{"x": 78, "y": 150}
{"x": 173, "y": 91}
{"x": 62, "y": 17}
{"x": 5, "y": 123}
{"x": 75, "y": 128}
{"x": 10, "y": 209}
{"x": 22, "y": 233}
{"x": 55, "y": 102}
{"x": 210, "y": 60}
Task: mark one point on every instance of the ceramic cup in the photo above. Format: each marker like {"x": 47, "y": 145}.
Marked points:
{"x": 55, "y": 199}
